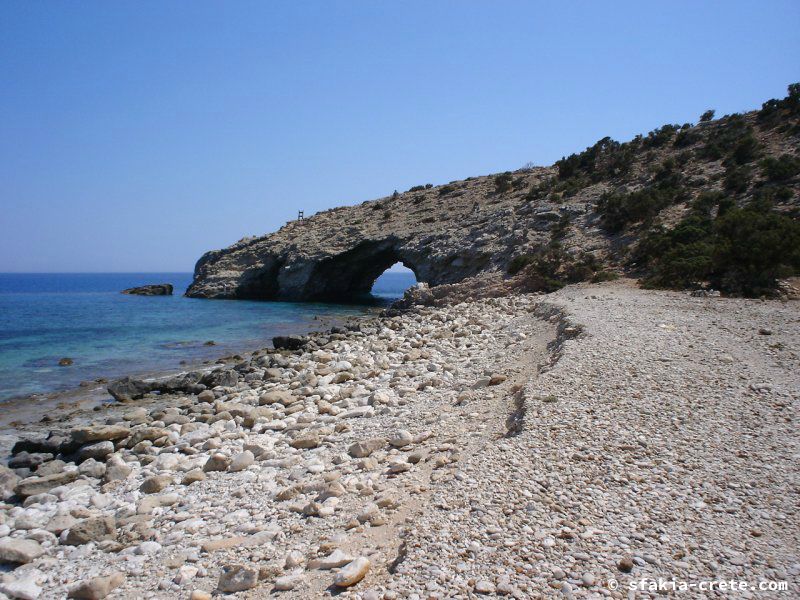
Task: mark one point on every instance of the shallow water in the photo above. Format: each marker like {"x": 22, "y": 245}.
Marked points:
{"x": 45, "y": 317}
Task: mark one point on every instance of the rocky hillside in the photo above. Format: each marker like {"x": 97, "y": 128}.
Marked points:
{"x": 715, "y": 204}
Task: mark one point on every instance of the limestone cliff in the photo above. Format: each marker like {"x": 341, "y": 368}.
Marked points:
{"x": 593, "y": 207}
{"x": 444, "y": 234}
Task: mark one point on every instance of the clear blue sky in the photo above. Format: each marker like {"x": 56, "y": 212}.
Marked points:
{"x": 134, "y": 136}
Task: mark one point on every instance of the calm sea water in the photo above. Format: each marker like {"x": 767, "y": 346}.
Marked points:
{"x": 45, "y": 317}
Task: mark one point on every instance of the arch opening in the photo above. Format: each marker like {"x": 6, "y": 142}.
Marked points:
{"x": 350, "y": 276}
{"x": 393, "y": 282}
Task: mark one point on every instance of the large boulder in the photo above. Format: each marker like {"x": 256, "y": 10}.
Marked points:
{"x": 103, "y": 433}
{"x": 56, "y": 442}
{"x": 40, "y": 485}
{"x": 155, "y": 289}
{"x": 416, "y": 295}
{"x": 19, "y": 551}
{"x": 193, "y": 382}
{"x": 96, "y": 588}
{"x": 221, "y": 377}
{"x": 8, "y": 481}
{"x": 289, "y": 342}
{"x": 127, "y": 389}
{"x": 237, "y": 578}
{"x": 93, "y": 529}
{"x": 96, "y": 450}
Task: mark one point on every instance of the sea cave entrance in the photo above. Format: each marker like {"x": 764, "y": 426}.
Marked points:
{"x": 393, "y": 282}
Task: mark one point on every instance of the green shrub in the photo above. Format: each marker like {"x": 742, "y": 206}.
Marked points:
{"x": 667, "y": 176}
{"x": 518, "y": 263}
{"x": 659, "y": 137}
{"x": 686, "y": 137}
{"x": 446, "y": 189}
{"x": 619, "y": 209}
{"x": 754, "y": 247}
{"x": 582, "y": 268}
{"x": 551, "y": 268}
{"x": 604, "y": 275}
{"x": 746, "y": 149}
{"x": 559, "y": 229}
{"x": 570, "y": 187}
{"x": 725, "y": 137}
{"x": 782, "y": 168}
{"x": 707, "y": 116}
{"x": 519, "y": 182}
{"x": 737, "y": 179}
{"x": 502, "y": 183}
{"x": 539, "y": 190}
{"x": 779, "y": 112}
{"x": 420, "y": 188}
{"x": 604, "y": 160}
{"x": 741, "y": 251}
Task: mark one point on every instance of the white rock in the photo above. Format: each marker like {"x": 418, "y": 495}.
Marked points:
{"x": 352, "y": 573}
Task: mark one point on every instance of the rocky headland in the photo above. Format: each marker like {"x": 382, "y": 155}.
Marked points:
{"x": 683, "y": 206}
{"x": 526, "y": 446}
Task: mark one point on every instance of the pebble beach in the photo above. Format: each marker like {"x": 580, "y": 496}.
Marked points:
{"x": 578, "y": 444}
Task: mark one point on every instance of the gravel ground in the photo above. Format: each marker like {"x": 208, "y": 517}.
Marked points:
{"x": 532, "y": 447}
{"x": 664, "y": 437}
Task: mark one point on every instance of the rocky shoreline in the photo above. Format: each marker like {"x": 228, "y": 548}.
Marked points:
{"x": 26, "y": 410}
{"x": 524, "y": 446}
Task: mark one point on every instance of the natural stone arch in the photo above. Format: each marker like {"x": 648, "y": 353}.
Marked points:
{"x": 351, "y": 274}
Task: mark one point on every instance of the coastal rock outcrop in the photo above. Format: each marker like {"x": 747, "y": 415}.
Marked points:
{"x": 155, "y": 289}
{"x": 443, "y": 234}
{"x": 193, "y": 382}
{"x": 543, "y": 226}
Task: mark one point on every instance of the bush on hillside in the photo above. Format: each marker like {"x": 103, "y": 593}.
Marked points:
{"x": 686, "y": 137}
{"x": 781, "y": 112}
{"x": 707, "y": 116}
{"x": 551, "y": 268}
{"x": 618, "y": 210}
{"x": 724, "y": 137}
{"x": 782, "y": 168}
{"x": 737, "y": 179}
{"x": 659, "y": 137}
{"x": 604, "y": 160}
{"x": 559, "y": 229}
{"x": 502, "y": 183}
{"x": 739, "y": 251}
{"x": 746, "y": 150}
{"x": 604, "y": 275}
{"x": 518, "y": 263}
{"x": 539, "y": 190}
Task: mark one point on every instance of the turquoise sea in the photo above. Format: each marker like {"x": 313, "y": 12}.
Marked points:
{"x": 46, "y": 317}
